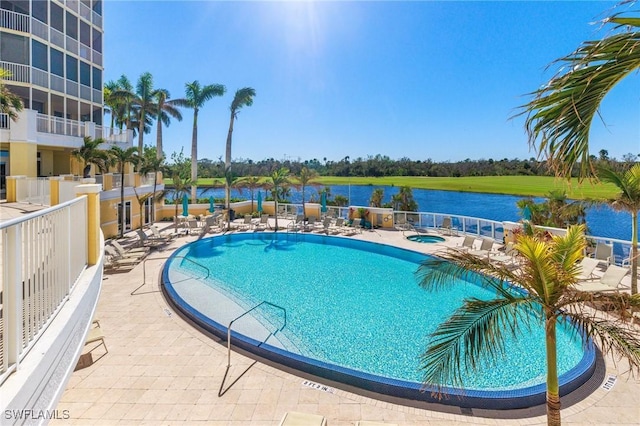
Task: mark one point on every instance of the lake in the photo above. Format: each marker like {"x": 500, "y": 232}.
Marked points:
{"x": 603, "y": 221}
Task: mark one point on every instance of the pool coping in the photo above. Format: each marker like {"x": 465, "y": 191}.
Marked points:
{"x": 511, "y": 399}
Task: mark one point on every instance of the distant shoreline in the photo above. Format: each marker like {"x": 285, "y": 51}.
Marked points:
{"x": 526, "y": 186}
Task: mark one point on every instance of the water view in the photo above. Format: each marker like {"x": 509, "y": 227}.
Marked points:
{"x": 603, "y": 221}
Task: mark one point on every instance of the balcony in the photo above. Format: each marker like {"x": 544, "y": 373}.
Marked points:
{"x": 14, "y": 21}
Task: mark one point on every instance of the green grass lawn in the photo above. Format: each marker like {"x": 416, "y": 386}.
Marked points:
{"x": 537, "y": 186}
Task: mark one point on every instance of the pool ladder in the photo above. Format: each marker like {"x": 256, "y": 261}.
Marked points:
{"x": 222, "y": 390}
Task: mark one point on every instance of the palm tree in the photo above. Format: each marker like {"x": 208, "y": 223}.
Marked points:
{"x": 165, "y": 109}
{"x": 121, "y": 102}
{"x": 243, "y": 97}
{"x": 150, "y": 162}
{"x": 144, "y": 105}
{"x": 121, "y": 157}
{"x": 629, "y": 200}
{"x": 89, "y": 154}
{"x": 404, "y": 200}
{"x": 560, "y": 115}
{"x": 376, "y": 197}
{"x": 10, "y": 103}
{"x": 279, "y": 178}
{"x": 252, "y": 183}
{"x": 480, "y": 327}
{"x": 111, "y": 104}
{"x": 196, "y": 96}
{"x": 306, "y": 177}
{"x": 181, "y": 187}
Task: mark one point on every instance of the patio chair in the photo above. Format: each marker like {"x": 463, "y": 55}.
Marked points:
{"x": 610, "y": 281}
{"x": 467, "y": 243}
{"x": 147, "y": 241}
{"x": 337, "y": 226}
{"x": 246, "y": 223}
{"x": 295, "y": 418}
{"x": 113, "y": 261}
{"x": 446, "y": 227}
{"x": 263, "y": 224}
{"x": 603, "y": 252}
{"x": 297, "y": 224}
{"x": 326, "y": 225}
{"x": 353, "y": 228}
{"x": 311, "y": 224}
{"x": 121, "y": 254}
{"x": 133, "y": 250}
{"x": 485, "y": 249}
{"x": 587, "y": 266}
{"x": 157, "y": 234}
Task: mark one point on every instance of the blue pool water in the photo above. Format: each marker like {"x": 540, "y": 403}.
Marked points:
{"x": 357, "y": 305}
{"x": 428, "y": 239}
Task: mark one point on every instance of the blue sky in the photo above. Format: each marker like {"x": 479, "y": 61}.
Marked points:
{"x": 422, "y": 80}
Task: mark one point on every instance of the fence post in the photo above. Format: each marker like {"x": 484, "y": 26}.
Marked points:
{"x": 93, "y": 220}
{"x": 14, "y": 295}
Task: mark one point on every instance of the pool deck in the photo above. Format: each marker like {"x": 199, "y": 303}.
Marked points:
{"x": 160, "y": 370}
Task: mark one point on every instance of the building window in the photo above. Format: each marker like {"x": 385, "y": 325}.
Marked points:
{"x": 72, "y": 26}
{"x": 14, "y": 48}
{"x": 72, "y": 68}
{"x": 97, "y": 7}
{"x": 39, "y": 10}
{"x": 85, "y": 74}
{"x": 57, "y": 62}
{"x": 57, "y": 17}
{"x": 85, "y": 33}
{"x": 97, "y": 79}
{"x": 97, "y": 41}
{"x": 39, "y": 56}
{"x": 19, "y": 6}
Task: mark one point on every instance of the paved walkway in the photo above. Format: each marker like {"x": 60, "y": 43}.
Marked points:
{"x": 161, "y": 371}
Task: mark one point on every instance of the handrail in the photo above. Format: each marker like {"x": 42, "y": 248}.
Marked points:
{"x": 144, "y": 268}
{"x": 264, "y": 302}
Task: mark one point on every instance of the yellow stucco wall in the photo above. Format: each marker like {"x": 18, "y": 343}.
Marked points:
{"x": 46, "y": 162}
{"x": 23, "y": 158}
{"x": 61, "y": 163}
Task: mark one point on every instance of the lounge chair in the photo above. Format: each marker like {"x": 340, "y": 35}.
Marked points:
{"x": 337, "y": 226}
{"x": 485, "y": 248}
{"x": 311, "y": 224}
{"x": 147, "y": 241}
{"x": 508, "y": 257}
{"x": 467, "y": 243}
{"x": 326, "y": 225}
{"x": 295, "y": 418}
{"x": 610, "y": 281}
{"x": 587, "y": 266}
{"x": 131, "y": 250}
{"x": 603, "y": 252}
{"x": 157, "y": 234}
{"x": 297, "y": 224}
{"x": 95, "y": 335}
{"x": 116, "y": 258}
{"x": 246, "y": 223}
{"x": 446, "y": 227}
{"x": 353, "y": 228}
{"x": 263, "y": 224}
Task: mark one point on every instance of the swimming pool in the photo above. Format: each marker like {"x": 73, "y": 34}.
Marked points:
{"x": 427, "y": 239}
{"x": 354, "y": 314}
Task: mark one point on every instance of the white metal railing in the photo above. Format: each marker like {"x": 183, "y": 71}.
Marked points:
{"x": 57, "y": 83}
{"x": 71, "y": 44}
{"x": 39, "y": 77}
{"x": 97, "y": 57}
{"x": 42, "y": 255}
{"x": 147, "y": 179}
{"x": 96, "y": 19}
{"x": 85, "y": 11}
{"x": 116, "y": 181}
{"x": 97, "y": 96}
{"x": 33, "y": 190}
{"x": 85, "y": 92}
{"x": 5, "y": 121}
{"x": 14, "y": 21}
{"x": 72, "y": 88}
{"x": 19, "y": 72}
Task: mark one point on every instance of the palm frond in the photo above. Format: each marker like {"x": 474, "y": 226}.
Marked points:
{"x": 476, "y": 329}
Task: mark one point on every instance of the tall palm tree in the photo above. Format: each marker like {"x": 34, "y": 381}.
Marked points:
{"x": 278, "y": 179}
{"x": 376, "y": 197}
{"x": 629, "y": 200}
{"x": 10, "y": 103}
{"x": 306, "y": 177}
{"x": 243, "y": 97}
{"x": 89, "y": 154}
{"x": 121, "y": 157}
{"x": 144, "y": 103}
{"x": 165, "y": 109}
{"x": 122, "y": 100}
{"x": 196, "y": 96}
{"x": 479, "y": 328}
{"x": 111, "y": 104}
{"x": 560, "y": 115}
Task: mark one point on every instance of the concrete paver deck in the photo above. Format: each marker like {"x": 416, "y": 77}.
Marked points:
{"x": 160, "y": 370}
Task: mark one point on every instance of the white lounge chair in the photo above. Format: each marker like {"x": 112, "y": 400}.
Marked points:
{"x": 610, "y": 281}
{"x": 353, "y": 228}
{"x": 294, "y": 418}
{"x": 467, "y": 243}
{"x": 587, "y": 266}
{"x": 263, "y": 224}
{"x": 603, "y": 252}
{"x": 485, "y": 249}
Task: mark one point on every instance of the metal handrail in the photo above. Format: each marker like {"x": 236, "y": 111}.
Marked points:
{"x": 264, "y": 302}
{"x": 144, "y": 268}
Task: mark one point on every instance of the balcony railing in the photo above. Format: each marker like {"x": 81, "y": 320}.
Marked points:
{"x": 48, "y": 253}
{"x": 19, "y": 72}
{"x": 39, "y": 29}
{"x": 5, "y": 121}
{"x": 14, "y": 21}
{"x": 33, "y": 190}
